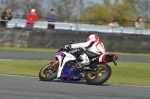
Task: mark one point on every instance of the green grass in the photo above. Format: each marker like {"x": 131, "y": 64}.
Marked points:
{"x": 23, "y": 68}
{"x": 54, "y": 50}
{"x": 129, "y": 73}
{"x": 131, "y": 54}
{"x": 27, "y": 49}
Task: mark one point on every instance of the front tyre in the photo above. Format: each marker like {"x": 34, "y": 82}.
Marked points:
{"x": 48, "y": 72}
{"x": 99, "y": 77}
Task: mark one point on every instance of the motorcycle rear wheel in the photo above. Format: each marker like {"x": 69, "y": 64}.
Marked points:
{"x": 48, "y": 73}
{"x": 99, "y": 78}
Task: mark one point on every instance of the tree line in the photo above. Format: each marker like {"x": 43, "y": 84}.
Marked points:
{"x": 125, "y": 11}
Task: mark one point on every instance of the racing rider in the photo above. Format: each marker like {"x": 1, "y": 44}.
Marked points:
{"x": 94, "y": 45}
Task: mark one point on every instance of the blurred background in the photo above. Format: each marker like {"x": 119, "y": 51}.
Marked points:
{"x": 85, "y": 15}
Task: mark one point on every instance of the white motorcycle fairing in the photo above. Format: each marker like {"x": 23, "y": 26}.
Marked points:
{"x": 63, "y": 57}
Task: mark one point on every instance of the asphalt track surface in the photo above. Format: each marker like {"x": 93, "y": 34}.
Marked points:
{"x": 51, "y": 56}
{"x": 13, "y": 87}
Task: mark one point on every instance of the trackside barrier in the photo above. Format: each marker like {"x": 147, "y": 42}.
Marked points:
{"x": 39, "y": 38}
{"x": 15, "y": 23}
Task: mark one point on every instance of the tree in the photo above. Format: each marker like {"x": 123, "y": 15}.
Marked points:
{"x": 27, "y": 5}
{"x": 20, "y": 8}
{"x": 144, "y": 9}
{"x": 66, "y": 9}
{"x": 6, "y": 3}
{"x": 104, "y": 13}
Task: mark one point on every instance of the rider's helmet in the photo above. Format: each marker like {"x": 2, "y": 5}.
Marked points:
{"x": 93, "y": 37}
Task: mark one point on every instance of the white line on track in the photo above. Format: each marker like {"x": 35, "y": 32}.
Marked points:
{"x": 7, "y": 59}
{"x": 106, "y": 83}
{"x": 131, "y": 85}
{"x": 16, "y": 76}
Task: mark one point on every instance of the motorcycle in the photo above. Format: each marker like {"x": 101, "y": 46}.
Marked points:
{"x": 66, "y": 67}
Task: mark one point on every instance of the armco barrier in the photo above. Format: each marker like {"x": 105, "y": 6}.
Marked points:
{"x": 36, "y": 38}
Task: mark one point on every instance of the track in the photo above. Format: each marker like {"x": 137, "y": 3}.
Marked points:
{"x": 13, "y": 87}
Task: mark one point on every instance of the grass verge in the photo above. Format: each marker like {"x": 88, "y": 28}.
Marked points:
{"x": 55, "y": 50}
{"x": 27, "y": 49}
{"x": 23, "y": 68}
{"x": 129, "y": 73}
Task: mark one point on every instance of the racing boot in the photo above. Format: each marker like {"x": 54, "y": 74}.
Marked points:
{"x": 85, "y": 60}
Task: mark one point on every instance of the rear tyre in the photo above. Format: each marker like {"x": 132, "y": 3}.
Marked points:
{"x": 100, "y": 77}
{"x": 48, "y": 72}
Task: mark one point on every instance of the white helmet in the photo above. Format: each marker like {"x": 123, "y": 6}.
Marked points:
{"x": 93, "y": 37}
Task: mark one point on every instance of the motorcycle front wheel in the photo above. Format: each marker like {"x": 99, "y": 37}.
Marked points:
{"x": 48, "y": 72}
{"x": 98, "y": 78}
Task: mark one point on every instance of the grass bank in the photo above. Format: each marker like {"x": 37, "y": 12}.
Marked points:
{"x": 23, "y": 68}
{"x": 27, "y": 49}
{"x": 129, "y": 73}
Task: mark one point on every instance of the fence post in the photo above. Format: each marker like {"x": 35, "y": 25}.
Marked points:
{"x": 122, "y": 29}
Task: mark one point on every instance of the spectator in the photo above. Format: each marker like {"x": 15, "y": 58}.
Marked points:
{"x": 5, "y": 17}
{"x": 113, "y": 25}
{"x": 51, "y": 18}
{"x": 139, "y": 26}
{"x": 32, "y": 17}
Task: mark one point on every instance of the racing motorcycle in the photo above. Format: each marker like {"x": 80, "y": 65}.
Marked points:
{"x": 66, "y": 67}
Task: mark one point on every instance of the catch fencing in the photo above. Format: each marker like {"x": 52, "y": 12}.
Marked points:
{"x": 21, "y": 23}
